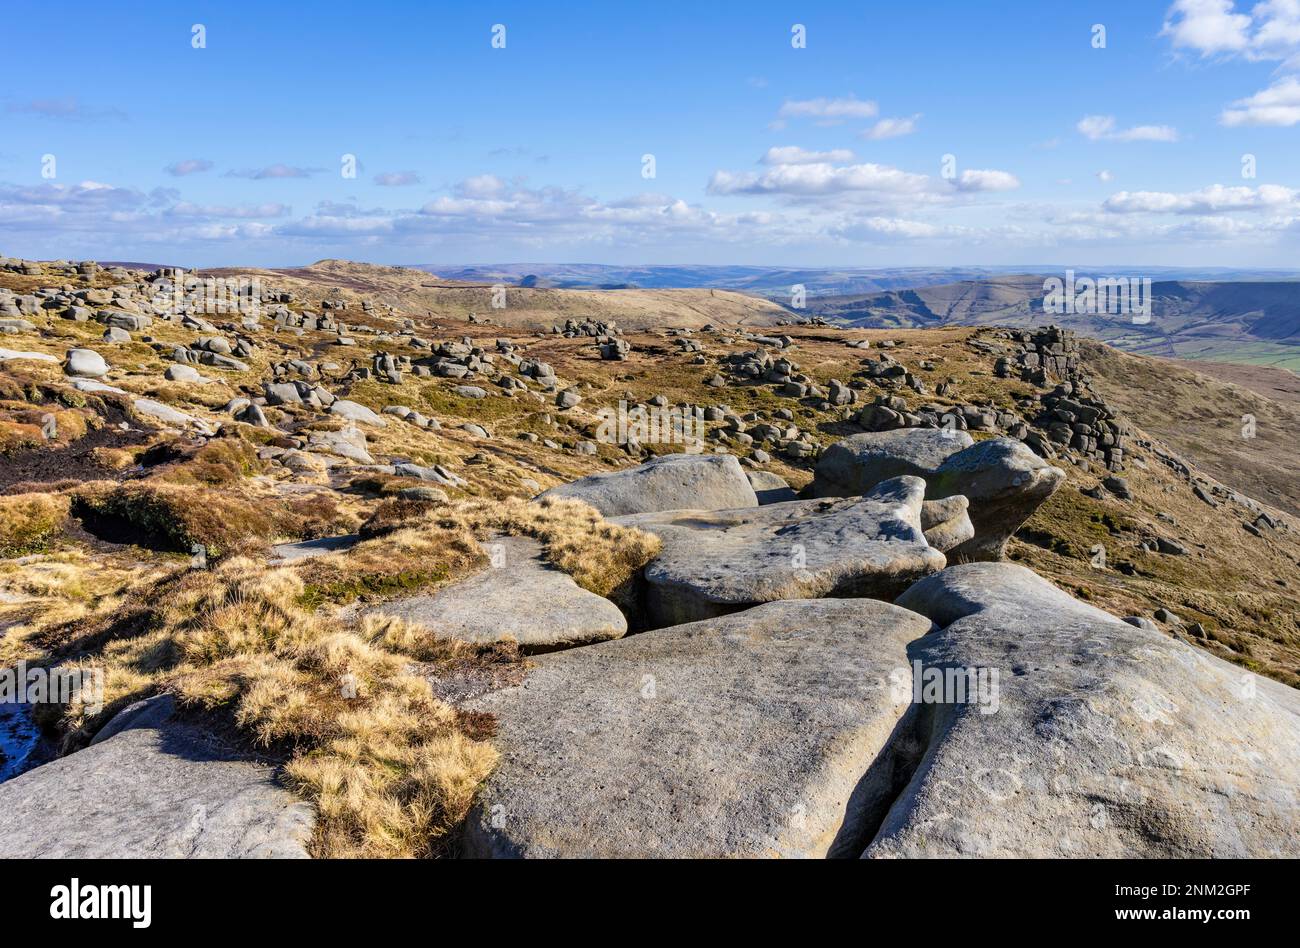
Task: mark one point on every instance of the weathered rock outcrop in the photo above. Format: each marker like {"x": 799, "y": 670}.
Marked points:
{"x": 671, "y": 482}
{"x": 1106, "y": 740}
{"x": 748, "y": 735}
{"x": 718, "y": 561}
{"x": 1002, "y": 479}
{"x": 151, "y": 787}
{"x": 854, "y": 465}
{"x": 1004, "y": 482}
{"x": 946, "y": 523}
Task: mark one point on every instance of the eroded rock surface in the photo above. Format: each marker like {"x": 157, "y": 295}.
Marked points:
{"x": 522, "y": 597}
{"x": 719, "y": 561}
{"x": 671, "y": 482}
{"x": 1107, "y": 740}
{"x": 748, "y": 735}
{"x": 153, "y": 788}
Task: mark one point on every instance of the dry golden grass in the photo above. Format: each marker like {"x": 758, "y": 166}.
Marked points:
{"x": 174, "y": 517}
{"x": 390, "y": 767}
{"x": 29, "y": 521}
{"x": 600, "y": 556}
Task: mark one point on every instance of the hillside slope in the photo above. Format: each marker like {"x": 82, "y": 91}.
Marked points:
{"x": 1256, "y": 322}
{"x": 415, "y": 293}
{"x": 535, "y": 443}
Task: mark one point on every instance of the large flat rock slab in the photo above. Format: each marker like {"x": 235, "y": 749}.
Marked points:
{"x": 671, "y": 482}
{"x": 715, "y": 562}
{"x": 520, "y": 596}
{"x": 155, "y": 788}
{"x": 1106, "y": 740}
{"x": 749, "y": 735}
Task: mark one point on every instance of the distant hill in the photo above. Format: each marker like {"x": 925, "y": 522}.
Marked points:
{"x": 419, "y": 293}
{"x": 1255, "y": 322}
{"x": 776, "y": 283}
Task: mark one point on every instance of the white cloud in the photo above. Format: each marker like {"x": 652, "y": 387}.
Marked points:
{"x": 274, "y": 171}
{"x": 892, "y": 128}
{"x": 397, "y": 179}
{"x": 1105, "y": 176}
{"x": 819, "y": 179}
{"x": 890, "y": 227}
{"x": 829, "y": 111}
{"x": 179, "y": 169}
{"x": 481, "y": 186}
{"x": 68, "y": 109}
{"x": 1279, "y": 105}
{"x": 1207, "y": 26}
{"x": 1215, "y": 199}
{"x": 973, "y": 180}
{"x": 1270, "y": 30}
{"x": 1103, "y": 128}
{"x": 272, "y": 209}
{"x": 794, "y": 155}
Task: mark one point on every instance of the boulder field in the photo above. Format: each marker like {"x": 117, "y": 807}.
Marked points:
{"x": 855, "y": 673}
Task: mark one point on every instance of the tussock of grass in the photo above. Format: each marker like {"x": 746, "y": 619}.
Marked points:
{"x": 169, "y": 516}
{"x": 174, "y": 517}
{"x": 16, "y": 437}
{"x": 389, "y": 766}
{"x": 220, "y": 461}
{"x": 29, "y": 521}
{"x": 406, "y": 557}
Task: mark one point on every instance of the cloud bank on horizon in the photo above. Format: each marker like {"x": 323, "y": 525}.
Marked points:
{"x": 941, "y": 135}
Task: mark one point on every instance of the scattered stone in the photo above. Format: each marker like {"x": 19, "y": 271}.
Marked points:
{"x": 1118, "y": 486}
{"x": 350, "y": 443}
{"x": 168, "y": 415}
{"x": 1170, "y": 547}
{"x": 769, "y": 488}
{"x": 7, "y": 355}
{"x": 182, "y": 373}
{"x": 354, "y": 411}
{"x": 86, "y": 363}
{"x": 1142, "y": 622}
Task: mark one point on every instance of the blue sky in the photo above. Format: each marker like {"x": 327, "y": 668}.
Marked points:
{"x": 832, "y": 154}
